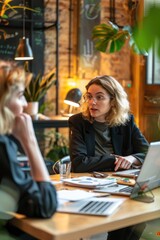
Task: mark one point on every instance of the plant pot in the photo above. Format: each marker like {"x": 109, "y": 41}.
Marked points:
{"x": 32, "y": 109}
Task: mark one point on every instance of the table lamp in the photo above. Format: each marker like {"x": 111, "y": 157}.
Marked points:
{"x": 72, "y": 99}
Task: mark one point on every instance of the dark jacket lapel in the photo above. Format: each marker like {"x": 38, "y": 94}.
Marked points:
{"x": 117, "y": 139}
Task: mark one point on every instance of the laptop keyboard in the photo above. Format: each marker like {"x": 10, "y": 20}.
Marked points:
{"x": 126, "y": 189}
{"x": 95, "y": 207}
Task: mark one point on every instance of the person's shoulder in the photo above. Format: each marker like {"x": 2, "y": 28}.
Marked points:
{"x": 4, "y": 139}
{"x": 76, "y": 117}
{"x": 130, "y": 122}
{"x": 131, "y": 118}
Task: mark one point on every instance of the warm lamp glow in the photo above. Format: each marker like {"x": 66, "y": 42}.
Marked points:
{"x": 72, "y": 99}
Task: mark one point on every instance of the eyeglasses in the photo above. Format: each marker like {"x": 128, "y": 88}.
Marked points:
{"x": 97, "y": 98}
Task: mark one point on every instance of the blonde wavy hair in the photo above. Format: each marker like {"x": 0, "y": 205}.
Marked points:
{"x": 11, "y": 75}
{"x": 120, "y": 107}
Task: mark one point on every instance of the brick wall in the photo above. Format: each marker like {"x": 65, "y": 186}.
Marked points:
{"x": 116, "y": 64}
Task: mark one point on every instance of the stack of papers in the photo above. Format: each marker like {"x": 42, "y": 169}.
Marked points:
{"x": 89, "y": 182}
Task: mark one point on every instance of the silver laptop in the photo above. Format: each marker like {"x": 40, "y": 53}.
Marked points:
{"x": 100, "y": 206}
{"x": 148, "y": 178}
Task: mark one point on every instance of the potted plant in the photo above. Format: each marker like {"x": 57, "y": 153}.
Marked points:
{"x": 54, "y": 146}
{"x": 37, "y": 89}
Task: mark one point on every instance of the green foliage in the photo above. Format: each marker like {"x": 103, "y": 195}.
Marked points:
{"x": 56, "y": 145}
{"x": 39, "y": 86}
{"x": 148, "y": 31}
{"x": 46, "y": 107}
{"x": 109, "y": 38}
{"x": 5, "y": 6}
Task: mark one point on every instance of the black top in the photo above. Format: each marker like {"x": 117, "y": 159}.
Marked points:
{"x": 126, "y": 140}
{"x": 34, "y": 199}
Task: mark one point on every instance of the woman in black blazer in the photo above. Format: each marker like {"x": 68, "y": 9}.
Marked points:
{"x": 104, "y": 137}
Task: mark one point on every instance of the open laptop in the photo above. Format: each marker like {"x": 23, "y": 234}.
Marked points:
{"x": 148, "y": 178}
{"x": 100, "y": 206}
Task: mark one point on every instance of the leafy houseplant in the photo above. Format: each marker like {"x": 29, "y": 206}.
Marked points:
{"x": 36, "y": 90}
{"x": 56, "y": 146}
{"x": 110, "y": 38}
{"x": 38, "y": 86}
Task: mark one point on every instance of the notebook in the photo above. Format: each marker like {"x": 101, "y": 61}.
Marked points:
{"x": 148, "y": 178}
{"x": 92, "y": 206}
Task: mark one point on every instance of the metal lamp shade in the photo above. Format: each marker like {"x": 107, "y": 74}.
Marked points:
{"x": 73, "y": 97}
{"x": 24, "y": 51}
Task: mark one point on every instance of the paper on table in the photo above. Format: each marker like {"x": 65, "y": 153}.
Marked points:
{"x": 89, "y": 182}
{"x": 74, "y": 195}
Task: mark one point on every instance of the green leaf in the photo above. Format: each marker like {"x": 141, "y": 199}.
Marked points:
{"x": 109, "y": 38}
{"x": 148, "y": 31}
{"x": 39, "y": 85}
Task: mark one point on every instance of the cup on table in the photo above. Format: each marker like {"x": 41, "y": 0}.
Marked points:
{"x": 65, "y": 167}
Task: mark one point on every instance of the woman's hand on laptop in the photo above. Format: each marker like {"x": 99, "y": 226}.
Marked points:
{"x": 124, "y": 162}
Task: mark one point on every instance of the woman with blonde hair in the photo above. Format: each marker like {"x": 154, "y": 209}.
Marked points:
{"x": 104, "y": 136}
{"x": 33, "y": 193}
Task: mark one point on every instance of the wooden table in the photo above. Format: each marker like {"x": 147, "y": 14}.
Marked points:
{"x": 64, "y": 226}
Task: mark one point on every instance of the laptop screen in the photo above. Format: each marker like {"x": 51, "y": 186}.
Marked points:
{"x": 149, "y": 177}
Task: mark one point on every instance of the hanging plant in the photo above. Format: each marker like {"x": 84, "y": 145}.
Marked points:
{"x": 5, "y": 6}
{"x": 109, "y": 38}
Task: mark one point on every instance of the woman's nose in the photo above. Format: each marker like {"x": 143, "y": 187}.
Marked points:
{"x": 24, "y": 102}
{"x": 93, "y": 100}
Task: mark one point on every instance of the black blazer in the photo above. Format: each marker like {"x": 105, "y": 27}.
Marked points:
{"x": 126, "y": 139}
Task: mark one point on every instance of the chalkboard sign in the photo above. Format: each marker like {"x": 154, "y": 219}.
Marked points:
{"x": 13, "y": 31}
{"x": 89, "y": 57}
{"x": 8, "y": 42}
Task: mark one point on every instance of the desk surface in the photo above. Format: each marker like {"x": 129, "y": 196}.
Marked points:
{"x": 64, "y": 226}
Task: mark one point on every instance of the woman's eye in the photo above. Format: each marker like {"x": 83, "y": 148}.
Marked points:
{"x": 88, "y": 97}
{"x": 99, "y": 98}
